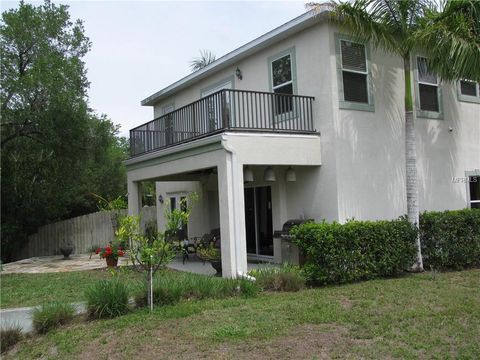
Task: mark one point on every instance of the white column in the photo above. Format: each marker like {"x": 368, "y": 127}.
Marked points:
{"x": 134, "y": 197}
{"x": 232, "y": 217}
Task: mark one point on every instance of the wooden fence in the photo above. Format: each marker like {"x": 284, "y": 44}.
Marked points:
{"x": 82, "y": 232}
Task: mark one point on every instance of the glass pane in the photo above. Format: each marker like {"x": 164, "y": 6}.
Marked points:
{"x": 173, "y": 203}
{"x": 250, "y": 220}
{"x": 474, "y": 187}
{"x": 353, "y": 56}
{"x": 283, "y": 104}
{"x": 468, "y": 88}
{"x": 355, "y": 87}
{"x": 281, "y": 70}
{"x": 423, "y": 74}
{"x": 264, "y": 220}
{"x": 428, "y": 98}
{"x": 475, "y": 205}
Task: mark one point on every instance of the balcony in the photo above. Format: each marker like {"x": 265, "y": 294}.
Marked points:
{"x": 225, "y": 110}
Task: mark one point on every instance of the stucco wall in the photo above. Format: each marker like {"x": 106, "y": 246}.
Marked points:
{"x": 363, "y": 163}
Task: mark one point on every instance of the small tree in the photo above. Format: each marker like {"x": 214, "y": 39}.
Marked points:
{"x": 114, "y": 207}
{"x": 149, "y": 250}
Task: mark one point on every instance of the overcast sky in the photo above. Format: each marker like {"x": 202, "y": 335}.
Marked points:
{"x": 139, "y": 47}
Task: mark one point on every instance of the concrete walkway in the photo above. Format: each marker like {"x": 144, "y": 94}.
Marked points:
{"x": 22, "y": 317}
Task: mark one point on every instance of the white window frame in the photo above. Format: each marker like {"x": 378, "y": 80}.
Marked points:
{"x": 468, "y": 175}
{"x": 468, "y": 98}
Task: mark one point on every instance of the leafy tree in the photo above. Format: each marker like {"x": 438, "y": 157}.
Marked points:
{"x": 55, "y": 150}
{"x": 206, "y": 57}
{"x": 400, "y": 27}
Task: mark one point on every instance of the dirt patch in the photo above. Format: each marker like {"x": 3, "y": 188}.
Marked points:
{"x": 345, "y": 302}
{"x": 307, "y": 341}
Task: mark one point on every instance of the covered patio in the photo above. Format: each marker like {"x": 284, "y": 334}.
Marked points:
{"x": 214, "y": 167}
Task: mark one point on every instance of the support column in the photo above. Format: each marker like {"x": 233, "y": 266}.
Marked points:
{"x": 134, "y": 197}
{"x": 232, "y": 217}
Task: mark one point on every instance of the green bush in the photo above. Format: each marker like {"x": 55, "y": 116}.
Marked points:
{"x": 9, "y": 337}
{"x": 357, "y": 250}
{"x": 450, "y": 239}
{"x": 279, "y": 278}
{"x": 169, "y": 289}
{"x": 107, "y": 299}
{"x": 51, "y": 316}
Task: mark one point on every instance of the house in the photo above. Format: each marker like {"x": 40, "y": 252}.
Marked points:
{"x": 303, "y": 122}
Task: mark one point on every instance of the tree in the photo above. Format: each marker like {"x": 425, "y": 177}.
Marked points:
{"x": 400, "y": 27}
{"x": 55, "y": 150}
{"x": 206, "y": 57}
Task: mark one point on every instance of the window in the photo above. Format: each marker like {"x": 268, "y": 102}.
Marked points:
{"x": 469, "y": 91}
{"x": 428, "y": 95}
{"x": 474, "y": 191}
{"x": 353, "y": 74}
{"x": 428, "y": 87}
{"x": 282, "y": 74}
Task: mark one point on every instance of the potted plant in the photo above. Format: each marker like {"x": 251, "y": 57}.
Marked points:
{"x": 66, "y": 250}
{"x": 111, "y": 253}
{"x": 211, "y": 253}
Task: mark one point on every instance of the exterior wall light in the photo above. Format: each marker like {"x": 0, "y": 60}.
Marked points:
{"x": 238, "y": 72}
{"x": 290, "y": 175}
{"x": 160, "y": 199}
{"x": 247, "y": 174}
{"x": 269, "y": 174}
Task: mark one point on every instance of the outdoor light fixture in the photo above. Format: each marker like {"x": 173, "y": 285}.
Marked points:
{"x": 160, "y": 199}
{"x": 290, "y": 175}
{"x": 238, "y": 72}
{"x": 269, "y": 174}
{"x": 247, "y": 174}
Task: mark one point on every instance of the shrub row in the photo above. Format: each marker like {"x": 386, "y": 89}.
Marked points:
{"x": 450, "y": 239}
{"x": 357, "y": 250}
{"x": 168, "y": 289}
{"x": 9, "y": 337}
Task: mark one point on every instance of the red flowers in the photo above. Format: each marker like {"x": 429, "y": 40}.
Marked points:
{"x": 110, "y": 251}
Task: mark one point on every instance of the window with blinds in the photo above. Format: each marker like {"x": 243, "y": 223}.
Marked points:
{"x": 468, "y": 88}
{"x": 427, "y": 87}
{"x": 354, "y": 71}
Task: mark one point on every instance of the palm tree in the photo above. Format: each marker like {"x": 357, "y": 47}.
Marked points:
{"x": 206, "y": 57}
{"x": 400, "y": 27}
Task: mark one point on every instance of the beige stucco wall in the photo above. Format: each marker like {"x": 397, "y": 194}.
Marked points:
{"x": 362, "y": 153}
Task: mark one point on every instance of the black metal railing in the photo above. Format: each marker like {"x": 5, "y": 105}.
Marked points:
{"x": 231, "y": 110}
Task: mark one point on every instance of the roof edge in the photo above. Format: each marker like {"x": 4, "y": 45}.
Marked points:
{"x": 297, "y": 24}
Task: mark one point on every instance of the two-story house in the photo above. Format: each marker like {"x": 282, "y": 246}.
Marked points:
{"x": 303, "y": 122}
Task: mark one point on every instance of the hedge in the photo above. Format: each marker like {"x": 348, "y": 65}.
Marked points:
{"x": 358, "y": 250}
{"x": 450, "y": 239}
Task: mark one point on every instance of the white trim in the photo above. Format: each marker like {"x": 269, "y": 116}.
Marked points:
{"x": 299, "y": 23}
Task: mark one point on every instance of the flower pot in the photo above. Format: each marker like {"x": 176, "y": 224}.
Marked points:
{"x": 111, "y": 261}
{"x": 217, "y": 265}
{"x": 66, "y": 251}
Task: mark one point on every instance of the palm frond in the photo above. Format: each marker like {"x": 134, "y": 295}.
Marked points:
{"x": 206, "y": 57}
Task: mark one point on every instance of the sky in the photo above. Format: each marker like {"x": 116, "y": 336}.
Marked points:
{"x": 140, "y": 47}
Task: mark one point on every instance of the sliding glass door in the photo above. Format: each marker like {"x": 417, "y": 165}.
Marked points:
{"x": 258, "y": 220}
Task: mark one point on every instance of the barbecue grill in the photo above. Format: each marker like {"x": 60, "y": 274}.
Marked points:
{"x": 283, "y": 249}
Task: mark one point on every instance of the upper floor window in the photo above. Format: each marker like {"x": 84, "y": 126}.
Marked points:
{"x": 428, "y": 92}
{"x": 283, "y": 80}
{"x": 428, "y": 87}
{"x": 474, "y": 190}
{"x": 353, "y": 74}
{"x": 469, "y": 91}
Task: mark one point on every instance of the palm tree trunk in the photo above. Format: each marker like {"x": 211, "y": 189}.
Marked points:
{"x": 411, "y": 161}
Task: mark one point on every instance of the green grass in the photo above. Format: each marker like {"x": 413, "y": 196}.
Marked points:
{"x": 430, "y": 315}
{"x": 52, "y": 315}
{"x": 34, "y": 289}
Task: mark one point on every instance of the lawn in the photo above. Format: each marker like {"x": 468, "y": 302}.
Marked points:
{"x": 33, "y": 289}
{"x": 430, "y": 315}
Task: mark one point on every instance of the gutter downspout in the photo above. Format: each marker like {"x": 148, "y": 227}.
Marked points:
{"x": 235, "y": 197}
